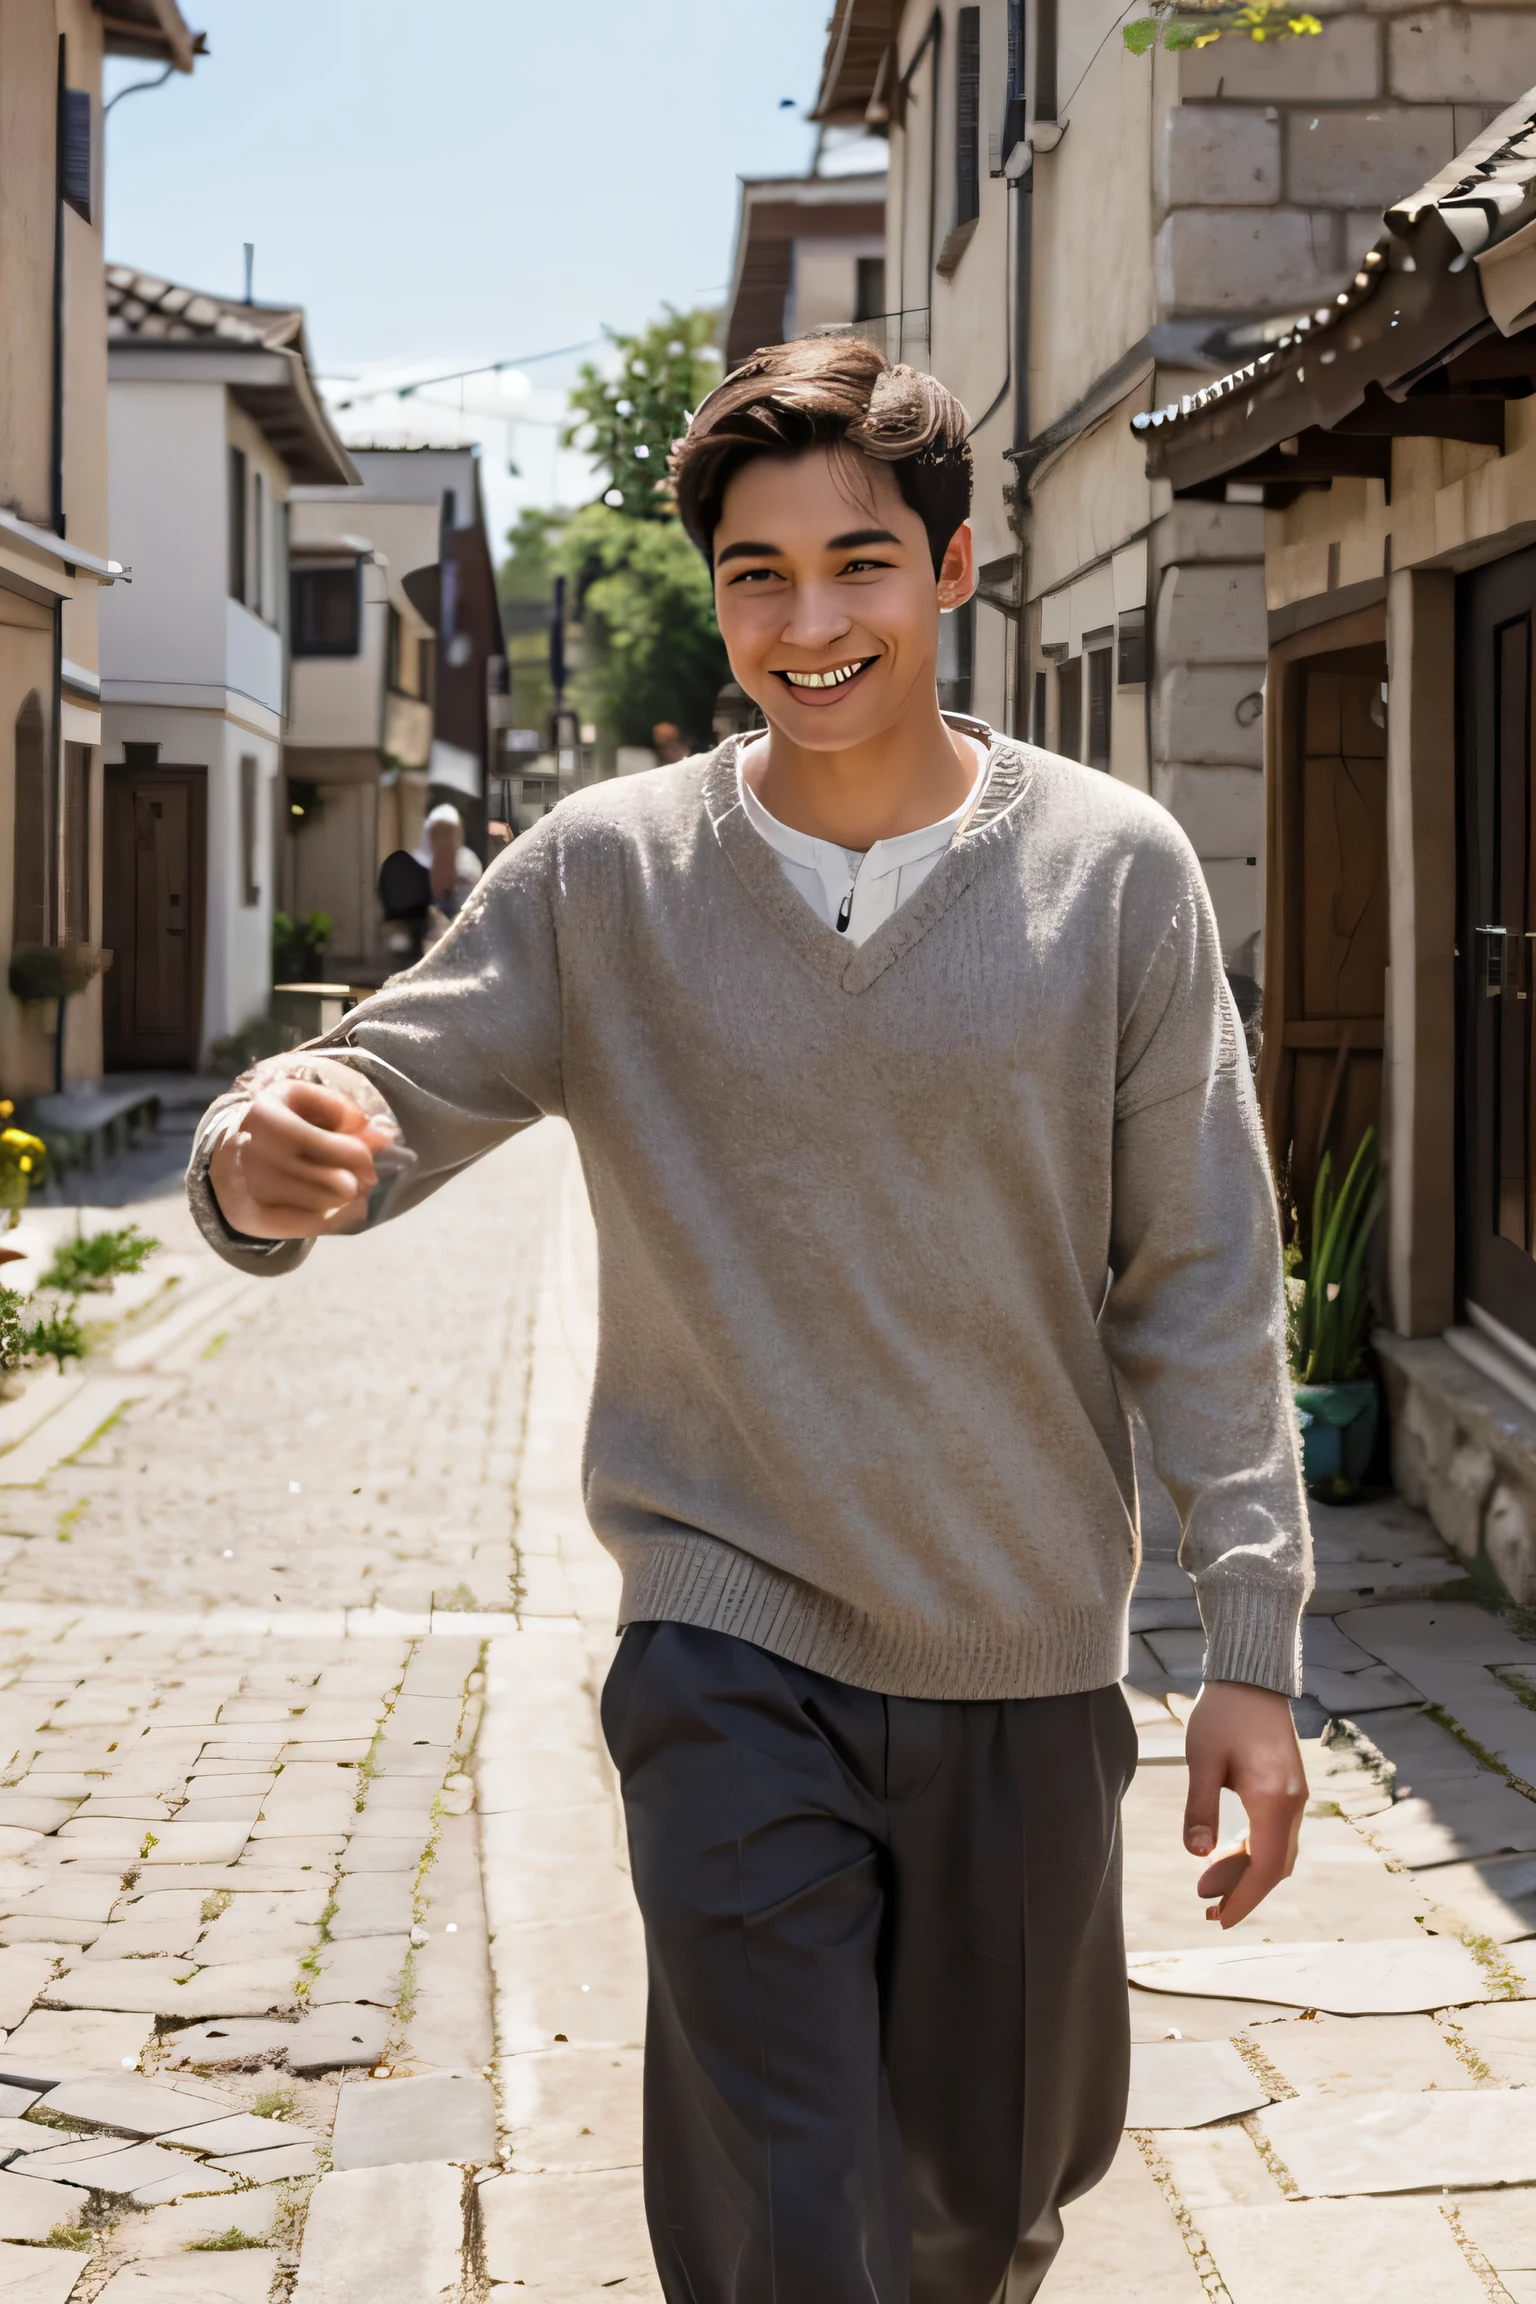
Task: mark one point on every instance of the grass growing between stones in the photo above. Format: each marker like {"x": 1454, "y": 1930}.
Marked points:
{"x": 1189, "y": 2232}
{"x": 233, "y": 2237}
{"x": 68, "y": 2236}
{"x": 275, "y": 2104}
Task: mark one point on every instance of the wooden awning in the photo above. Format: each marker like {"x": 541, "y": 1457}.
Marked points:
{"x": 1429, "y": 340}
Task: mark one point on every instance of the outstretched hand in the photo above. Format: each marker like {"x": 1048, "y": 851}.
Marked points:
{"x": 1242, "y": 1739}
{"x": 300, "y": 1163}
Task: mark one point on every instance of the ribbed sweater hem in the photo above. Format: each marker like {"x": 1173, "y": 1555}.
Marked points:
{"x": 697, "y": 1579}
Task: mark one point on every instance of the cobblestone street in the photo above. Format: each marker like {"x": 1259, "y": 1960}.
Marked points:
{"x": 319, "y": 1970}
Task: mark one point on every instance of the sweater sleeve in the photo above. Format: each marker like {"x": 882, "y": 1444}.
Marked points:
{"x": 1194, "y": 1321}
{"x": 461, "y": 1052}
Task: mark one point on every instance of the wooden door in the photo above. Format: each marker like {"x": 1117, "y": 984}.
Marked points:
{"x": 1320, "y": 1081}
{"x": 155, "y": 875}
{"x": 1497, "y": 943}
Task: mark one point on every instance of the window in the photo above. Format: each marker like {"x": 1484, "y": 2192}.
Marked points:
{"x": 32, "y": 882}
{"x": 327, "y": 606}
{"x": 869, "y": 287}
{"x": 1069, "y": 708}
{"x": 1013, "y": 114}
{"x": 250, "y": 794}
{"x": 75, "y": 151}
{"x": 1101, "y": 679}
{"x": 967, "y": 115}
{"x": 1131, "y": 665}
{"x": 238, "y": 531}
{"x": 1037, "y": 708}
{"x": 393, "y": 637}
{"x": 261, "y": 595}
{"x": 77, "y": 844}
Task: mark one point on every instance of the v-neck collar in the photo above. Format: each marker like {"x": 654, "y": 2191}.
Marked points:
{"x": 1010, "y": 771}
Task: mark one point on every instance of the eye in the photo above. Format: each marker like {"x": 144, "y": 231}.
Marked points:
{"x": 752, "y": 576}
{"x": 862, "y": 567}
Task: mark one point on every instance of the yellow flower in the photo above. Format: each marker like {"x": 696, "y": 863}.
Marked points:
{"x": 6, "y": 1107}
{"x": 25, "y": 1162}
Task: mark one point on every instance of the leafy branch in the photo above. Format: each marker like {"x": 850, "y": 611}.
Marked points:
{"x": 1168, "y": 26}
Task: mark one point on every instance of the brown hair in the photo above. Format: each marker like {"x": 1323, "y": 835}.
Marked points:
{"x": 827, "y": 392}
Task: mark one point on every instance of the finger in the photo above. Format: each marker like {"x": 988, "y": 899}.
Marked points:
{"x": 1272, "y": 1853}
{"x": 1225, "y": 1869}
{"x": 1202, "y": 1807}
{"x": 274, "y": 1131}
{"x": 325, "y": 1107}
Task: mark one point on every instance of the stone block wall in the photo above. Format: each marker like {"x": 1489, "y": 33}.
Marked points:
{"x": 1271, "y": 171}
{"x": 1464, "y": 1451}
{"x": 1278, "y": 159}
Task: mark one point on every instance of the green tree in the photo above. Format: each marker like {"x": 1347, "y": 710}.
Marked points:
{"x": 525, "y": 584}
{"x": 651, "y": 647}
{"x": 627, "y": 422}
{"x": 526, "y": 576}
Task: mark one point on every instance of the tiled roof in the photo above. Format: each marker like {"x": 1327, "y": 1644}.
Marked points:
{"x": 146, "y": 314}
{"x": 1485, "y": 195}
{"x": 144, "y": 309}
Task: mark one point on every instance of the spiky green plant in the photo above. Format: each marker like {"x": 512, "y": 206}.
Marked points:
{"x": 1330, "y": 1324}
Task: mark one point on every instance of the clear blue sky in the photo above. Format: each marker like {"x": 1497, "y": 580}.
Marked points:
{"x": 458, "y": 179}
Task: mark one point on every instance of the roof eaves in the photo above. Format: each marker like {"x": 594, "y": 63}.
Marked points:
{"x": 155, "y": 29}
{"x": 859, "y": 38}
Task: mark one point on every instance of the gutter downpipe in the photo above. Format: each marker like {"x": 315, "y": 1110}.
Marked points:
{"x": 54, "y": 788}
{"x": 1024, "y": 227}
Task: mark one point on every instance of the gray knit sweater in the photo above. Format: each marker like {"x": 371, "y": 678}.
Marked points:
{"x": 889, "y": 1238}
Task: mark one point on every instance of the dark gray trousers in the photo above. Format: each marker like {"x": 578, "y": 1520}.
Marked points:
{"x": 887, "y": 2035}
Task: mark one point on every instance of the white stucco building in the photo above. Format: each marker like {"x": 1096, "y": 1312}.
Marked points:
{"x": 212, "y": 418}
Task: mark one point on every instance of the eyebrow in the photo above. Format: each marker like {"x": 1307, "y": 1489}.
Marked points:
{"x": 847, "y": 543}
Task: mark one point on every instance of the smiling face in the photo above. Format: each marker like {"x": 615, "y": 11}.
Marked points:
{"x": 825, "y": 591}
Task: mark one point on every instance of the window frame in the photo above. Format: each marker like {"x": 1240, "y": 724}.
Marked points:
{"x": 301, "y": 646}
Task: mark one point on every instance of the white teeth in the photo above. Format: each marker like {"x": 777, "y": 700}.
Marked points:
{"x": 832, "y": 679}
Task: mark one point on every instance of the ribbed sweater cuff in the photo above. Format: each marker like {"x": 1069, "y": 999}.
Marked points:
{"x": 1253, "y": 1634}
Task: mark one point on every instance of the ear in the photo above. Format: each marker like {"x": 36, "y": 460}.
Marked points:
{"x": 957, "y": 570}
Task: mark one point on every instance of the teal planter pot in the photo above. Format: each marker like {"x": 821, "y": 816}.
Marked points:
{"x": 1338, "y": 1436}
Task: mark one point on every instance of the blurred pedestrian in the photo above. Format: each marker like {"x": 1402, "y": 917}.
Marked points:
{"x": 667, "y": 738}
{"x": 454, "y": 866}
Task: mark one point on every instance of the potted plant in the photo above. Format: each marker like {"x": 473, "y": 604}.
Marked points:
{"x": 1328, "y": 1324}
{"x": 298, "y": 946}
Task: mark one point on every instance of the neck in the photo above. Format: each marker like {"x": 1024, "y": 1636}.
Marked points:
{"x": 909, "y": 775}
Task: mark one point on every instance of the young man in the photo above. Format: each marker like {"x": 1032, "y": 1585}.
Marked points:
{"x": 920, "y": 1141}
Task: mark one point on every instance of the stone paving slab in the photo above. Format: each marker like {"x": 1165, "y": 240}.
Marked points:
{"x": 571, "y": 2239}
{"x": 241, "y": 2276}
{"x": 1317, "y": 2251}
{"x": 54, "y": 2044}
{"x": 436, "y": 2116}
{"x": 1186, "y": 2083}
{"x": 1359, "y": 1979}
{"x": 1503, "y": 2039}
{"x": 38, "y": 2275}
{"x": 1399, "y": 2142}
{"x": 1122, "y": 2240}
{"x": 1355, "y": 2055}
{"x": 384, "y": 2236}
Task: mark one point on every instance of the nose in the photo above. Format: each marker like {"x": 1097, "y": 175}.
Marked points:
{"x": 817, "y": 617}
